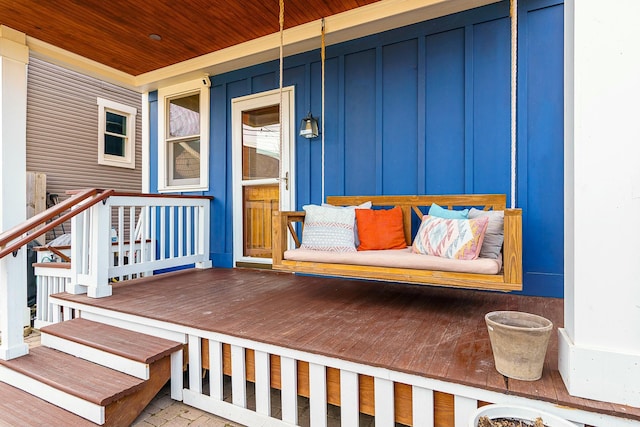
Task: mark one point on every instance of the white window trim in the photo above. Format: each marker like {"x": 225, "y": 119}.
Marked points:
{"x": 129, "y": 159}
{"x": 164, "y": 95}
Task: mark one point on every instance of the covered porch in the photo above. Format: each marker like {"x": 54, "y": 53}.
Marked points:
{"x": 424, "y": 348}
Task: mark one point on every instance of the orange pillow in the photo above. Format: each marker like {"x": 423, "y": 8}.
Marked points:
{"x": 380, "y": 229}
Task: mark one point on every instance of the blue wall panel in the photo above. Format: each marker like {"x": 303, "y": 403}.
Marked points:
{"x": 399, "y": 142}
{"x": 422, "y": 109}
{"x": 445, "y": 113}
{"x": 491, "y": 58}
{"x": 542, "y": 129}
{"x": 359, "y": 124}
{"x": 334, "y": 131}
{"x": 218, "y": 176}
{"x": 153, "y": 136}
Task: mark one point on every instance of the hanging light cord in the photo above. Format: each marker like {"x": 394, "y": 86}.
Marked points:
{"x": 322, "y": 59}
{"x": 281, "y": 21}
{"x": 514, "y": 96}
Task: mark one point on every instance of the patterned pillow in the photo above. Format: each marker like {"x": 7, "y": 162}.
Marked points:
{"x": 328, "y": 229}
{"x": 450, "y": 238}
{"x": 365, "y": 205}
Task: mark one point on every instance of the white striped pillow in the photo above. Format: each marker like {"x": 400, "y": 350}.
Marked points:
{"x": 328, "y": 229}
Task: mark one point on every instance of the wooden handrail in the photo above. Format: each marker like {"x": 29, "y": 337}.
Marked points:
{"x": 44, "y": 216}
{"x": 47, "y": 215}
{"x": 150, "y": 195}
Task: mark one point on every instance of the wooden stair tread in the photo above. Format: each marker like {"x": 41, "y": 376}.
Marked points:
{"x": 19, "y": 408}
{"x": 128, "y": 344}
{"x": 71, "y": 374}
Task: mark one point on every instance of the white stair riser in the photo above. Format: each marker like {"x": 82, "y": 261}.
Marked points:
{"x": 112, "y": 361}
{"x": 90, "y": 411}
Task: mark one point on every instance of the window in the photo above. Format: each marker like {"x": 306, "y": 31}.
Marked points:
{"x": 116, "y": 134}
{"x": 183, "y": 136}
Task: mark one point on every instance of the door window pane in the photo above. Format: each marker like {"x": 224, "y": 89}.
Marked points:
{"x": 261, "y": 143}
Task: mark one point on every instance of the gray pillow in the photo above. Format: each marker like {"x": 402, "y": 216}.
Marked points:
{"x": 494, "y": 236}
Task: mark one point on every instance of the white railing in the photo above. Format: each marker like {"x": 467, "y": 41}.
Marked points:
{"x": 248, "y": 400}
{"x": 153, "y": 233}
{"x": 49, "y": 280}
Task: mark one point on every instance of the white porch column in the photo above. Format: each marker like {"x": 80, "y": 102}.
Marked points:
{"x": 14, "y": 56}
{"x": 599, "y": 355}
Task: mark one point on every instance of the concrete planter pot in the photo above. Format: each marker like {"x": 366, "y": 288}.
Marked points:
{"x": 519, "y": 413}
{"x": 519, "y": 342}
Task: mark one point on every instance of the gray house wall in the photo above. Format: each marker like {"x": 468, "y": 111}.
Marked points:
{"x": 62, "y": 130}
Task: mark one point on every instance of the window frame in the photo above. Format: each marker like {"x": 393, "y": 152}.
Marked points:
{"x": 165, "y": 142}
{"x": 129, "y": 159}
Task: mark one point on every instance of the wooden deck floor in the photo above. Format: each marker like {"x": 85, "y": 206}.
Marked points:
{"x": 429, "y": 331}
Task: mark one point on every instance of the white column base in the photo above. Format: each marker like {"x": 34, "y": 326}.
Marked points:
{"x": 99, "y": 291}
{"x": 204, "y": 264}
{"x": 75, "y": 289}
{"x": 8, "y": 353}
{"x": 599, "y": 374}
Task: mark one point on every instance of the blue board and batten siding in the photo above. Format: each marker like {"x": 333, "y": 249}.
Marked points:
{"x": 423, "y": 109}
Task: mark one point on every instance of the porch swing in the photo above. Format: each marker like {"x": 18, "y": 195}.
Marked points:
{"x": 507, "y": 277}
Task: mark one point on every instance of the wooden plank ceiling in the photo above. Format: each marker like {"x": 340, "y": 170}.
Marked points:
{"x": 116, "y": 32}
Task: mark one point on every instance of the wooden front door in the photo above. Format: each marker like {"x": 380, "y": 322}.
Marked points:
{"x": 262, "y": 171}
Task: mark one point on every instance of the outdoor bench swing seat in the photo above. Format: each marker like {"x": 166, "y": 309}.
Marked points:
{"x": 507, "y": 274}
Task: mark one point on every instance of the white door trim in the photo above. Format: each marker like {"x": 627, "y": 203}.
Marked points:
{"x": 287, "y": 195}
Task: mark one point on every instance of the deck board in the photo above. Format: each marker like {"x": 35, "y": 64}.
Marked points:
{"x": 433, "y": 332}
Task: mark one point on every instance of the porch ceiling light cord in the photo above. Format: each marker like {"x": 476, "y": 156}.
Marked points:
{"x": 514, "y": 95}
{"x": 322, "y": 60}
{"x": 281, "y": 22}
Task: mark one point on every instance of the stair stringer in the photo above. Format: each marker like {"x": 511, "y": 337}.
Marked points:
{"x": 125, "y": 410}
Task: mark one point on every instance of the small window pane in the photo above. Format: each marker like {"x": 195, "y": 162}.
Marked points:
{"x": 186, "y": 159}
{"x": 114, "y": 145}
{"x": 116, "y": 123}
{"x": 184, "y": 116}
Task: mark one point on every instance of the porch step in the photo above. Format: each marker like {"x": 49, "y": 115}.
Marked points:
{"x": 86, "y": 385}
{"x": 77, "y": 385}
{"x": 19, "y": 408}
{"x": 119, "y": 349}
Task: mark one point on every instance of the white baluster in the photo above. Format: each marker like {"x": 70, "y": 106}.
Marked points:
{"x": 263, "y": 383}
{"x": 289, "y": 379}
{"x": 317, "y": 395}
{"x": 238, "y": 376}
{"x": 349, "y": 399}
{"x": 463, "y": 408}
{"x": 195, "y": 364}
{"x": 216, "y": 370}
{"x": 383, "y": 396}
{"x": 423, "y": 410}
